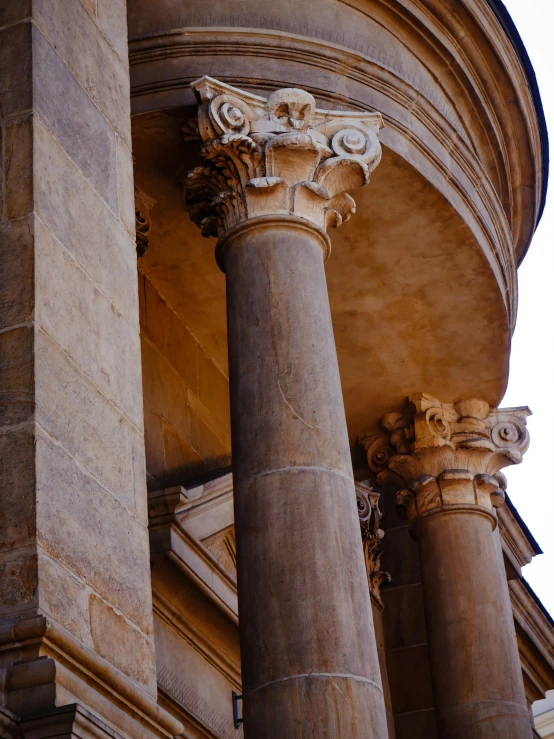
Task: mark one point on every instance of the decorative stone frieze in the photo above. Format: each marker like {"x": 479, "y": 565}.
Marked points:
{"x": 370, "y": 516}
{"x": 278, "y": 155}
{"x": 442, "y": 454}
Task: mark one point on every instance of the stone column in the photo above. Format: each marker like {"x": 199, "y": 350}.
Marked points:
{"x": 446, "y": 460}
{"x": 273, "y": 179}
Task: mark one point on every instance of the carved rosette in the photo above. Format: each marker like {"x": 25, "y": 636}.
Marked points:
{"x": 372, "y": 537}
{"x": 441, "y": 454}
{"x": 274, "y": 156}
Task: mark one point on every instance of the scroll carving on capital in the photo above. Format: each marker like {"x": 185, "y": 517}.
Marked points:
{"x": 279, "y": 155}
{"x": 443, "y": 454}
{"x": 367, "y": 499}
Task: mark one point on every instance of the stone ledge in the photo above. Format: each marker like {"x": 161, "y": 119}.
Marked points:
{"x": 70, "y": 657}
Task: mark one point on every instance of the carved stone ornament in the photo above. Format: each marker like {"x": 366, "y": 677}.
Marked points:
{"x": 441, "y": 454}
{"x": 278, "y": 155}
{"x": 143, "y": 206}
{"x": 372, "y": 537}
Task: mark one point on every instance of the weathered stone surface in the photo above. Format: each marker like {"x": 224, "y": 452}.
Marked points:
{"x": 404, "y": 624}
{"x": 154, "y": 439}
{"x": 88, "y": 426}
{"x": 90, "y": 6}
{"x": 12, "y": 12}
{"x": 16, "y": 376}
{"x": 17, "y": 273}
{"x": 169, "y": 334}
{"x": 203, "y": 438}
{"x": 107, "y": 351}
{"x": 17, "y": 502}
{"x": 15, "y": 63}
{"x": 213, "y": 392}
{"x": 74, "y": 119}
{"x": 416, "y": 725}
{"x": 165, "y": 389}
{"x": 139, "y": 477}
{"x": 112, "y": 19}
{"x": 125, "y": 184}
{"x": 63, "y": 597}
{"x": 176, "y": 450}
{"x": 115, "y": 639}
{"x": 18, "y": 580}
{"x": 89, "y": 230}
{"x": 117, "y": 567}
{"x": 81, "y": 43}
{"x": 416, "y": 692}
{"x": 16, "y": 373}
{"x": 19, "y": 167}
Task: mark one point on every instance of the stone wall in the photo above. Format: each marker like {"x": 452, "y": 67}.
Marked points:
{"x": 186, "y": 396}
{"x": 73, "y": 519}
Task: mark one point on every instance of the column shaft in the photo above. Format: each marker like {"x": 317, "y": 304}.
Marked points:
{"x": 309, "y": 660}
{"x": 475, "y": 666}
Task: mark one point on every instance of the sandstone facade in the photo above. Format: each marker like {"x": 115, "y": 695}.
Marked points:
{"x": 250, "y": 437}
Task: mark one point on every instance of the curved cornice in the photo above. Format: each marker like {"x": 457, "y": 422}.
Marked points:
{"x": 453, "y": 83}
{"x": 505, "y": 19}
{"x": 423, "y": 127}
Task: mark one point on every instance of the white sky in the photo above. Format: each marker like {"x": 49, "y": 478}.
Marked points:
{"x": 531, "y": 484}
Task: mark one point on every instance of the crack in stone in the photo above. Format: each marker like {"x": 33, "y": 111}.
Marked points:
{"x": 297, "y": 414}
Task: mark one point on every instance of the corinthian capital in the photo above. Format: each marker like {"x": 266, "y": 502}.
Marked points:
{"x": 442, "y": 454}
{"x": 278, "y": 155}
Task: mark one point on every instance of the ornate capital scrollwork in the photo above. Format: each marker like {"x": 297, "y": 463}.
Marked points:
{"x": 442, "y": 454}
{"x": 372, "y": 537}
{"x": 278, "y": 155}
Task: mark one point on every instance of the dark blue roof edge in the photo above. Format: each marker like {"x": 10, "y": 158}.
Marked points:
{"x": 511, "y": 31}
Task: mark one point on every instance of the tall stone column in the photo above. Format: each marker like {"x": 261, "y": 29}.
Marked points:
{"x": 446, "y": 460}
{"x": 273, "y": 179}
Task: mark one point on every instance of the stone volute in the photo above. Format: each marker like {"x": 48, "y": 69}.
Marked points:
{"x": 444, "y": 460}
{"x": 274, "y": 177}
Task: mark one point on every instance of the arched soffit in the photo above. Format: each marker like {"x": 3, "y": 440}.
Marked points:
{"x": 444, "y": 74}
{"x": 414, "y": 301}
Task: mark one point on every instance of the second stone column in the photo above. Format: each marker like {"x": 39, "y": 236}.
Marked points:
{"x": 273, "y": 179}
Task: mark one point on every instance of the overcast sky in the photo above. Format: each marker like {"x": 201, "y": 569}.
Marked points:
{"x": 531, "y": 484}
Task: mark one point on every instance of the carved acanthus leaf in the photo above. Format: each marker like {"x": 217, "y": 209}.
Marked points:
{"x": 278, "y": 155}
{"x": 439, "y": 454}
{"x": 143, "y": 206}
{"x": 372, "y": 537}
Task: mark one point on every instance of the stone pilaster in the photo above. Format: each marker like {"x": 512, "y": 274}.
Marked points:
{"x": 274, "y": 177}
{"x": 75, "y": 592}
{"x": 445, "y": 460}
